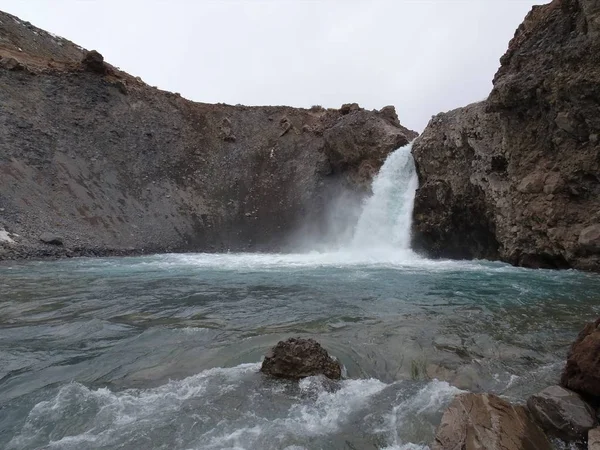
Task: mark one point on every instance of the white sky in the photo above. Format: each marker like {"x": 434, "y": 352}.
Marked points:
{"x": 423, "y": 56}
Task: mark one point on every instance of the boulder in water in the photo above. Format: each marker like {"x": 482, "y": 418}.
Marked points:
{"x": 485, "y": 421}
{"x": 300, "y": 358}
{"x": 582, "y": 372}
{"x": 562, "y": 413}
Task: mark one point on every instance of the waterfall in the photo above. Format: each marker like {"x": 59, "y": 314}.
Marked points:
{"x": 386, "y": 218}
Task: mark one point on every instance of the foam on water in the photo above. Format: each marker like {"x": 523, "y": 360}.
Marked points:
{"x": 264, "y": 414}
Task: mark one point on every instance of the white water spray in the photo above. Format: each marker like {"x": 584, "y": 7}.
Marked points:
{"x": 386, "y": 218}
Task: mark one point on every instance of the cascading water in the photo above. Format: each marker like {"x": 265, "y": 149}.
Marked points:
{"x": 387, "y": 215}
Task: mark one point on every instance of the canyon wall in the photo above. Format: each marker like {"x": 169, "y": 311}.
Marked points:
{"x": 95, "y": 162}
{"x": 517, "y": 176}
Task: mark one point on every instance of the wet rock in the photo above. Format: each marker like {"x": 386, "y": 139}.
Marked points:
{"x": 94, "y": 62}
{"x": 562, "y": 413}
{"x": 300, "y": 358}
{"x": 594, "y": 439}
{"x": 582, "y": 371}
{"x": 50, "y": 238}
{"x": 485, "y": 421}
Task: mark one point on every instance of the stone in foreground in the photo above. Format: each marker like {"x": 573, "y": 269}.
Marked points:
{"x": 485, "y": 421}
{"x": 562, "y": 413}
{"x": 300, "y": 358}
{"x": 582, "y": 372}
{"x": 594, "y": 439}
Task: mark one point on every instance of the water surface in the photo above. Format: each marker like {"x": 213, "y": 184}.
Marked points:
{"x": 163, "y": 351}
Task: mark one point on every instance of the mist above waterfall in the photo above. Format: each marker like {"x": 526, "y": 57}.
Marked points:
{"x": 376, "y": 226}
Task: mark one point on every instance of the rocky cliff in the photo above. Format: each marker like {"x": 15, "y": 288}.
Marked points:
{"x": 517, "y": 176}
{"x": 94, "y": 161}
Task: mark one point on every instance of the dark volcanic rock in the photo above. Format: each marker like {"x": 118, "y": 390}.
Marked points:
{"x": 517, "y": 176}
{"x": 52, "y": 239}
{"x": 562, "y": 413}
{"x": 119, "y": 167}
{"x": 582, "y": 372}
{"x": 485, "y": 421}
{"x": 94, "y": 62}
{"x": 300, "y": 358}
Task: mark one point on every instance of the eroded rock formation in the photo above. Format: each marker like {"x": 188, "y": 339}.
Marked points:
{"x": 114, "y": 166}
{"x": 517, "y": 176}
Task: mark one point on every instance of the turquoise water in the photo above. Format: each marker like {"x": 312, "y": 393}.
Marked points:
{"x": 163, "y": 351}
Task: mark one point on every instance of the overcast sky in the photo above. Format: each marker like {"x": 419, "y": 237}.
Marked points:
{"x": 421, "y": 56}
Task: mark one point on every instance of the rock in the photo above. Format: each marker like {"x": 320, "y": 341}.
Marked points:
{"x": 389, "y": 114}
{"x": 532, "y": 183}
{"x": 347, "y": 108}
{"x": 553, "y": 183}
{"x": 11, "y": 64}
{"x": 594, "y": 439}
{"x": 286, "y": 125}
{"x": 589, "y": 238}
{"x": 94, "y": 62}
{"x": 300, "y": 358}
{"x": 50, "y": 238}
{"x": 485, "y": 421}
{"x": 562, "y": 413}
{"x": 582, "y": 371}
{"x": 485, "y": 170}
{"x": 226, "y": 132}
{"x": 201, "y": 155}
{"x": 356, "y": 138}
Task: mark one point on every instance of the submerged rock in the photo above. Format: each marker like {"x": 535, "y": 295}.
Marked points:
{"x": 300, "y": 358}
{"x": 582, "y": 371}
{"x": 562, "y": 412}
{"x": 485, "y": 421}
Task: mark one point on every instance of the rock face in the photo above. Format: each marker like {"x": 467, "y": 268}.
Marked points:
{"x": 582, "y": 371}
{"x": 562, "y": 413}
{"x": 517, "y": 176}
{"x": 300, "y": 358}
{"x": 485, "y": 421}
{"x": 114, "y": 166}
